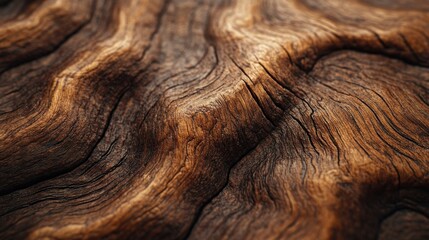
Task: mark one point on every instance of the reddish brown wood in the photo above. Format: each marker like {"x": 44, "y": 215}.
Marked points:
{"x": 239, "y": 119}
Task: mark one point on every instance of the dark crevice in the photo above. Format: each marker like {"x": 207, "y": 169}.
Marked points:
{"x": 78, "y": 163}
{"x": 4, "y": 67}
{"x": 412, "y": 62}
{"x": 109, "y": 119}
{"x": 200, "y": 210}
{"x": 404, "y": 39}
{"x": 254, "y": 95}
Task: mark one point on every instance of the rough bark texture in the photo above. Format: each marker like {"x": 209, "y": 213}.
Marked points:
{"x": 234, "y": 119}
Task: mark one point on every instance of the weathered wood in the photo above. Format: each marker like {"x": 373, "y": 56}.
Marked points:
{"x": 239, "y": 119}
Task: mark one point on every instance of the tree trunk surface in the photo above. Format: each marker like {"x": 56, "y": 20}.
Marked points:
{"x": 203, "y": 119}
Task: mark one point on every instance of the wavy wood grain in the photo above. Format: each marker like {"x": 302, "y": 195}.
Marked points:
{"x": 239, "y": 119}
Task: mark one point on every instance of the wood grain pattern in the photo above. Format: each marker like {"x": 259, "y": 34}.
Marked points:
{"x": 202, "y": 119}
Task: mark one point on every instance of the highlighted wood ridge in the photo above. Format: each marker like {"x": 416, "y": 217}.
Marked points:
{"x": 239, "y": 119}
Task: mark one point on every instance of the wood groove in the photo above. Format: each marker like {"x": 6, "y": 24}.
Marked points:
{"x": 238, "y": 119}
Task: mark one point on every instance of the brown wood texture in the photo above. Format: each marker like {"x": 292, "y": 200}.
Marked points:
{"x": 214, "y": 119}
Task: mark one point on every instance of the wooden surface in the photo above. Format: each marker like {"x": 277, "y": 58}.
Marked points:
{"x": 234, "y": 119}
